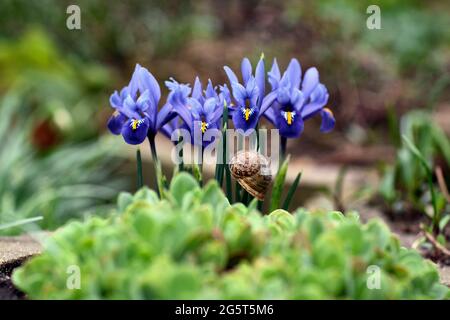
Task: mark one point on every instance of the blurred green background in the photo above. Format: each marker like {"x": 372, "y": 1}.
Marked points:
{"x": 55, "y": 159}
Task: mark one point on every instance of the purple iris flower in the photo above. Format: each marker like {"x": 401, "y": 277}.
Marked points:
{"x": 297, "y": 100}
{"x": 136, "y": 113}
{"x": 250, "y": 102}
{"x": 177, "y": 99}
{"x": 201, "y": 112}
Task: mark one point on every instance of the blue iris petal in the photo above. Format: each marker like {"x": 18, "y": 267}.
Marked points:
{"x": 294, "y": 71}
{"x": 246, "y": 69}
{"x": 328, "y": 120}
{"x": 210, "y": 91}
{"x": 251, "y": 88}
{"x": 318, "y": 99}
{"x": 124, "y": 93}
{"x": 170, "y": 127}
{"x": 310, "y": 81}
{"x": 260, "y": 78}
{"x": 231, "y": 75}
{"x": 196, "y": 109}
{"x": 283, "y": 95}
{"x": 225, "y": 95}
{"x": 240, "y": 122}
{"x": 164, "y": 115}
{"x": 115, "y": 101}
{"x": 209, "y": 106}
{"x": 267, "y": 102}
{"x": 178, "y": 98}
{"x": 197, "y": 89}
{"x": 239, "y": 92}
{"x": 146, "y": 81}
{"x": 274, "y": 75}
{"x": 204, "y": 112}
{"x": 129, "y": 108}
{"x": 116, "y": 122}
{"x": 143, "y": 102}
{"x": 297, "y": 98}
{"x": 292, "y": 130}
{"x": 134, "y": 85}
{"x": 134, "y": 131}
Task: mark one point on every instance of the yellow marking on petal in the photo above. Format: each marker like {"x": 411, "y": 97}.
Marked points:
{"x": 329, "y": 111}
{"x": 262, "y": 56}
{"x": 204, "y": 126}
{"x": 247, "y": 114}
{"x": 134, "y": 124}
{"x": 289, "y": 117}
{"x": 116, "y": 113}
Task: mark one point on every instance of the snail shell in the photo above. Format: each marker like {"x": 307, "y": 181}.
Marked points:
{"x": 252, "y": 171}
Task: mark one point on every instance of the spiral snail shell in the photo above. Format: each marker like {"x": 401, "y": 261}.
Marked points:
{"x": 252, "y": 171}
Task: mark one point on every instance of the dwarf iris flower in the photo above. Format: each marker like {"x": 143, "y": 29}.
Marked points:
{"x": 250, "y": 102}
{"x": 136, "y": 113}
{"x": 200, "y": 112}
{"x": 297, "y": 100}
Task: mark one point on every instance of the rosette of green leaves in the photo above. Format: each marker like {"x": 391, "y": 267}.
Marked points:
{"x": 194, "y": 245}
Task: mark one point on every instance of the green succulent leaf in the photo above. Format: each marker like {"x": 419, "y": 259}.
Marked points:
{"x": 195, "y": 245}
{"x": 182, "y": 184}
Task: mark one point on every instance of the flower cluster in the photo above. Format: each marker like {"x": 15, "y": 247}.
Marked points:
{"x": 293, "y": 98}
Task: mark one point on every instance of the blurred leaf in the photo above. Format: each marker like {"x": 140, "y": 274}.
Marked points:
{"x": 181, "y": 185}
{"x": 278, "y": 185}
{"x": 444, "y": 222}
{"x": 59, "y": 185}
{"x": 19, "y": 223}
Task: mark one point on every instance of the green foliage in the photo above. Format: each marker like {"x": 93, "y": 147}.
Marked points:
{"x": 291, "y": 191}
{"x": 21, "y": 222}
{"x": 58, "y": 88}
{"x": 158, "y": 26}
{"x": 408, "y": 180}
{"x": 278, "y": 185}
{"x": 194, "y": 245}
{"x": 59, "y": 185}
{"x": 416, "y": 31}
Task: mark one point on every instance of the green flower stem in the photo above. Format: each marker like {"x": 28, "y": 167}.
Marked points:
{"x": 283, "y": 146}
{"x": 181, "y": 164}
{"x": 157, "y": 166}
{"x": 200, "y": 167}
{"x": 220, "y": 167}
{"x": 140, "y": 183}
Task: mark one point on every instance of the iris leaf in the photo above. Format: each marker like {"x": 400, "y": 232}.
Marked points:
{"x": 429, "y": 172}
{"x": 140, "y": 182}
{"x": 291, "y": 191}
{"x": 278, "y": 185}
{"x": 19, "y": 222}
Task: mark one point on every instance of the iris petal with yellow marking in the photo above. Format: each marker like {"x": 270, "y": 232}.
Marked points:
{"x": 135, "y": 130}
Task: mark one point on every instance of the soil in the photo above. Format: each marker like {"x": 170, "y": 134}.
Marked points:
{"x": 7, "y": 289}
